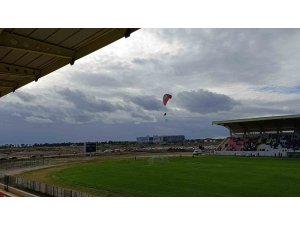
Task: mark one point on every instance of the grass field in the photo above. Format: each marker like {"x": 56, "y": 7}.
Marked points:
{"x": 179, "y": 176}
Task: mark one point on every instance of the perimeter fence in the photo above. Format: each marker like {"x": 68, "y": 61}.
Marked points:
{"x": 40, "y": 189}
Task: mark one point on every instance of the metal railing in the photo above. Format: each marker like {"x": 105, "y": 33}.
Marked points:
{"x": 41, "y": 188}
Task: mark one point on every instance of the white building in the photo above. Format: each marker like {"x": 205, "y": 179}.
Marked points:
{"x": 161, "y": 139}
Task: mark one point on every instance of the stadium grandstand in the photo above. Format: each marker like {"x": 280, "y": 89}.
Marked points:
{"x": 27, "y": 54}
{"x": 277, "y": 136}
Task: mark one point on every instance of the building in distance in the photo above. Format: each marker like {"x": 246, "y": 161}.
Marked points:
{"x": 160, "y": 139}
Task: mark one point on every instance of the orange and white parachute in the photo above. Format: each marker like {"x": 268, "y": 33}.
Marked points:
{"x": 166, "y": 98}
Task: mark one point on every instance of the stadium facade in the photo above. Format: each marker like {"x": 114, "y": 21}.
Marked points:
{"x": 160, "y": 139}
{"x": 264, "y": 136}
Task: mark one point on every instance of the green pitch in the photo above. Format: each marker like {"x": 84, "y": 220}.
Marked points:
{"x": 186, "y": 176}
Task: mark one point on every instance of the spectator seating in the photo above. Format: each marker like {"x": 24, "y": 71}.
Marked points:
{"x": 263, "y": 142}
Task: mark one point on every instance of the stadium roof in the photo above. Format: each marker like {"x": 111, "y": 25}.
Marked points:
{"x": 261, "y": 124}
{"x": 27, "y": 54}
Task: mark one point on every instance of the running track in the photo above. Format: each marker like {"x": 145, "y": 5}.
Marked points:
{"x": 3, "y": 195}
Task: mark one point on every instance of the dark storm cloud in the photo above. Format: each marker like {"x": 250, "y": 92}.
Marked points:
{"x": 280, "y": 89}
{"x": 206, "y": 57}
{"x": 202, "y": 101}
{"x": 147, "y": 102}
{"x": 38, "y": 119}
{"x": 105, "y": 81}
{"x": 88, "y": 103}
{"x": 231, "y": 55}
{"x": 33, "y": 113}
{"x": 252, "y": 111}
{"x": 78, "y": 117}
{"x": 64, "y": 106}
{"x": 143, "y": 116}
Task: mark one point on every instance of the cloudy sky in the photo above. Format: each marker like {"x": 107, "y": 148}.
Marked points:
{"x": 116, "y": 92}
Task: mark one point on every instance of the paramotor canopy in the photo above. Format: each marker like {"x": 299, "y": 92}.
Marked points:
{"x": 166, "y": 98}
